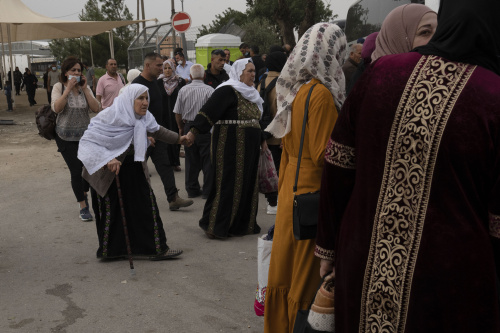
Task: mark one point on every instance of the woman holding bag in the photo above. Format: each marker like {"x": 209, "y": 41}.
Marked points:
{"x": 315, "y": 61}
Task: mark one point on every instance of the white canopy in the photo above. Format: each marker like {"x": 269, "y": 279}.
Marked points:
{"x": 19, "y": 23}
{"x": 25, "y": 24}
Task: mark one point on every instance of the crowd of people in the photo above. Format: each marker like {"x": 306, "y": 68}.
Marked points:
{"x": 400, "y": 136}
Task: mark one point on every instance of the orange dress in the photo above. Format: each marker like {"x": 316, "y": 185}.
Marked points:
{"x": 294, "y": 270}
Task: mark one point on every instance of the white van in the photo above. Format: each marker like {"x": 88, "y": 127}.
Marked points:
{"x": 366, "y": 16}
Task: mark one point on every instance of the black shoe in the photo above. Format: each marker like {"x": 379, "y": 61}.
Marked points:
{"x": 204, "y": 196}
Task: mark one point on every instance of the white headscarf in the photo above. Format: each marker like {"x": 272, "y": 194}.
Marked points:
{"x": 248, "y": 92}
{"x": 111, "y": 132}
{"x": 319, "y": 54}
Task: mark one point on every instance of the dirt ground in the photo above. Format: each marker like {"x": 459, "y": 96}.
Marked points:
{"x": 51, "y": 280}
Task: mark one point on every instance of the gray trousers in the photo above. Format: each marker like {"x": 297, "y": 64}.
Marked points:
{"x": 198, "y": 159}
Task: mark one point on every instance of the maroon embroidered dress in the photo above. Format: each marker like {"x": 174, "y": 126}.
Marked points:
{"x": 410, "y": 199}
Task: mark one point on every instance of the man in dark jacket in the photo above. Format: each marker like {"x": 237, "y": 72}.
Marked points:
{"x": 215, "y": 73}
{"x": 18, "y": 78}
{"x": 257, "y": 61}
{"x": 352, "y": 63}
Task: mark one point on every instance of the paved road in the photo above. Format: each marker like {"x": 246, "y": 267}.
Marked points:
{"x": 51, "y": 281}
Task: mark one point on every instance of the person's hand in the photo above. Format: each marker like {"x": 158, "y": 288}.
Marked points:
{"x": 72, "y": 83}
{"x": 263, "y": 145}
{"x": 325, "y": 267}
{"x": 184, "y": 140}
{"x": 191, "y": 137}
{"x": 114, "y": 166}
{"x": 151, "y": 141}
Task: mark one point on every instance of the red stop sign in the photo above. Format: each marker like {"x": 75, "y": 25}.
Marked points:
{"x": 181, "y": 21}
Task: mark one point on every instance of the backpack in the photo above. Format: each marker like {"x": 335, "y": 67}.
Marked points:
{"x": 46, "y": 122}
{"x": 267, "y": 117}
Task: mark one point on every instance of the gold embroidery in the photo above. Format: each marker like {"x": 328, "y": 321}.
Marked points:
{"x": 323, "y": 253}
{"x": 495, "y": 225}
{"x": 340, "y": 155}
{"x": 219, "y": 173}
{"x": 418, "y": 126}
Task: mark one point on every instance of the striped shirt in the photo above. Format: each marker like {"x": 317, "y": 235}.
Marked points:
{"x": 191, "y": 98}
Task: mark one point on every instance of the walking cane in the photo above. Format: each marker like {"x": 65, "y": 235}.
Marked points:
{"x": 125, "y": 229}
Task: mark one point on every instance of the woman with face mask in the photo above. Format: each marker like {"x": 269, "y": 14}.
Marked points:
{"x": 72, "y": 100}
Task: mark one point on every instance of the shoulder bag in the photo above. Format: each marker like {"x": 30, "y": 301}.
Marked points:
{"x": 306, "y": 205}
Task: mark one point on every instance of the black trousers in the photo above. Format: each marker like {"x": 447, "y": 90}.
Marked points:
{"x": 198, "y": 159}
{"x": 272, "y": 198}
{"x": 18, "y": 87}
{"x": 49, "y": 97}
{"x": 31, "y": 96}
{"x": 69, "y": 151}
{"x": 159, "y": 156}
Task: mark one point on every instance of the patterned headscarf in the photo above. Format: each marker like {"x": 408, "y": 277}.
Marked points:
{"x": 399, "y": 29}
{"x": 319, "y": 54}
{"x": 171, "y": 82}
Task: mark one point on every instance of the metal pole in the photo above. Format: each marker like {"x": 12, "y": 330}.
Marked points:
{"x": 3, "y": 54}
{"x": 182, "y": 5}
{"x": 143, "y": 14}
{"x": 91, "y": 54}
{"x": 11, "y": 64}
{"x": 111, "y": 47}
{"x": 174, "y": 44}
{"x": 137, "y": 17}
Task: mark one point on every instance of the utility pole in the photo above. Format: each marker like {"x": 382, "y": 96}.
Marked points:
{"x": 174, "y": 44}
{"x": 143, "y": 15}
{"x": 137, "y": 17}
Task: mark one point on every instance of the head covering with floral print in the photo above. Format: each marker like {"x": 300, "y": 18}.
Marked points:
{"x": 319, "y": 54}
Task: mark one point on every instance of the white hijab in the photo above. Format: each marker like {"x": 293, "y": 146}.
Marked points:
{"x": 319, "y": 54}
{"x": 111, "y": 132}
{"x": 248, "y": 92}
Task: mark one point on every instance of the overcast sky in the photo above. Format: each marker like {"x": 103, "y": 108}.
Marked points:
{"x": 201, "y": 11}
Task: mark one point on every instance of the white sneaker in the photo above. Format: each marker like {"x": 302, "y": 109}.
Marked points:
{"x": 271, "y": 210}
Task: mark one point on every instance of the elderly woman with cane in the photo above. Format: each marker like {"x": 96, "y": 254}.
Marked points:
{"x": 113, "y": 146}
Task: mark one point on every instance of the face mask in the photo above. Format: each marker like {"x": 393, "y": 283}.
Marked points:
{"x": 179, "y": 62}
{"x": 73, "y": 76}
{"x": 54, "y": 68}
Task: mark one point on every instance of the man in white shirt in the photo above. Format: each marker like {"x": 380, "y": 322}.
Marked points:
{"x": 190, "y": 100}
{"x": 183, "y": 65}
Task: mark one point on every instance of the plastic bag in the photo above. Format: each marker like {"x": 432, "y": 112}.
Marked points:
{"x": 268, "y": 177}
{"x": 264, "y": 247}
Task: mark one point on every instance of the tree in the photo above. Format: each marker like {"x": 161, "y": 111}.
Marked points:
{"x": 221, "y": 20}
{"x": 111, "y": 10}
{"x": 260, "y": 32}
{"x": 290, "y": 15}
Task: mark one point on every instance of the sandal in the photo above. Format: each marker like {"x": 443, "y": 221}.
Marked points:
{"x": 170, "y": 253}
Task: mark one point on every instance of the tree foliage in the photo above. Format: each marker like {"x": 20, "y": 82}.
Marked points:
{"x": 296, "y": 18}
{"x": 260, "y": 32}
{"x": 222, "y": 19}
{"x": 110, "y": 10}
{"x": 282, "y": 17}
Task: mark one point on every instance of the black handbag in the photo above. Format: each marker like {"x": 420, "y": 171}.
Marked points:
{"x": 306, "y": 205}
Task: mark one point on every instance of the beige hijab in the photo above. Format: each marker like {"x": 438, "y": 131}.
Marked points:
{"x": 399, "y": 29}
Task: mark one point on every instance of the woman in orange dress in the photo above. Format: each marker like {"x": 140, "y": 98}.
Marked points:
{"x": 316, "y": 60}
